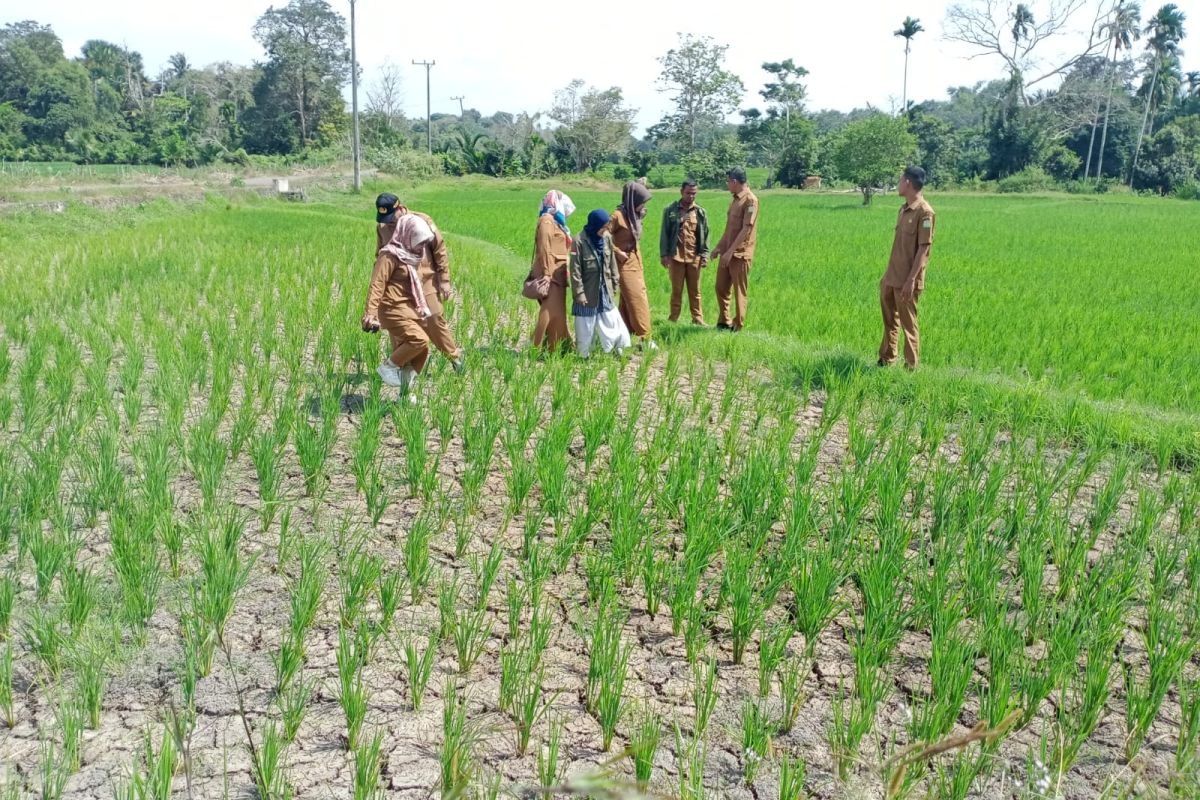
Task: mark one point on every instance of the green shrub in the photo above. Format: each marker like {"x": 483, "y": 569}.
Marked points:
{"x": 407, "y": 163}
{"x": 1030, "y": 179}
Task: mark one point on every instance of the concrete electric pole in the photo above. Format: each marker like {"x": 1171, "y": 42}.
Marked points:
{"x": 428, "y": 65}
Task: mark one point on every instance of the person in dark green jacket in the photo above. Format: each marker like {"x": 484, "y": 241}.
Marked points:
{"x": 683, "y": 250}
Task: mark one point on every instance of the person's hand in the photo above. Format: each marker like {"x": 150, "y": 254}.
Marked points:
{"x": 703, "y": 262}
{"x": 445, "y": 292}
{"x": 666, "y": 262}
{"x": 908, "y": 292}
{"x": 370, "y": 323}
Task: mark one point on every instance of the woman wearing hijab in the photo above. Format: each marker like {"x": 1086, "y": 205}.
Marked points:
{"x": 626, "y": 229}
{"x": 397, "y": 302}
{"x": 551, "y": 252}
{"x": 594, "y": 281}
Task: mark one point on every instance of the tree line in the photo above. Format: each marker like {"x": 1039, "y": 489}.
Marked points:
{"x": 1118, "y": 110}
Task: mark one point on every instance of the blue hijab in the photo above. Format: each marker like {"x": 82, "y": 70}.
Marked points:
{"x": 596, "y": 220}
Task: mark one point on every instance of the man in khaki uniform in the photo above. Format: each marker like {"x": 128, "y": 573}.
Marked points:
{"x": 736, "y": 252}
{"x": 388, "y": 209}
{"x": 904, "y": 280}
{"x": 683, "y": 250}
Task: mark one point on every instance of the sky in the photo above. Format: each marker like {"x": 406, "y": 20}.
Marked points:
{"x": 511, "y": 55}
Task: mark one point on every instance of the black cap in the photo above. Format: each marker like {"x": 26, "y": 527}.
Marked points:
{"x": 385, "y": 207}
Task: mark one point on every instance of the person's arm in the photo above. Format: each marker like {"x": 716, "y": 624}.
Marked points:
{"x": 440, "y": 257}
{"x": 664, "y": 238}
{"x": 384, "y": 265}
{"x": 702, "y": 236}
{"x": 543, "y": 259}
{"x": 925, "y": 225}
{"x": 575, "y": 270}
{"x": 749, "y": 220}
{"x": 614, "y": 228}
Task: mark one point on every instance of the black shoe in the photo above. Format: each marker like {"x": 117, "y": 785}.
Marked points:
{"x": 724, "y": 326}
{"x": 882, "y": 363}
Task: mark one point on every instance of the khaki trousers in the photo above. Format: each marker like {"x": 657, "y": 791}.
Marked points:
{"x": 552, "y": 331}
{"x": 898, "y": 314}
{"x": 733, "y": 281}
{"x": 684, "y": 273}
{"x": 411, "y": 337}
{"x": 441, "y": 336}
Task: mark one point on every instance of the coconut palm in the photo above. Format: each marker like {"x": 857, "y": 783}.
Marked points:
{"x": 908, "y": 29}
{"x": 1122, "y": 31}
{"x": 1022, "y": 26}
{"x": 1165, "y": 32}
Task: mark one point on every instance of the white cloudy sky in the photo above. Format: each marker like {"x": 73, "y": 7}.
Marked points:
{"x": 512, "y": 54}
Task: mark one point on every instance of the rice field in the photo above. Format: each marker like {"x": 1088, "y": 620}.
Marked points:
{"x": 232, "y": 564}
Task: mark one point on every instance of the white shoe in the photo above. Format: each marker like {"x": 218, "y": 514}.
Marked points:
{"x": 408, "y": 377}
{"x": 390, "y": 374}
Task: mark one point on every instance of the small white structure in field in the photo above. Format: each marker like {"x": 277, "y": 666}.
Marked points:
{"x": 281, "y": 185}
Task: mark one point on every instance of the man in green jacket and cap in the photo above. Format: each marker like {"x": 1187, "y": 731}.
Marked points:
{"x": 683, "y": 249}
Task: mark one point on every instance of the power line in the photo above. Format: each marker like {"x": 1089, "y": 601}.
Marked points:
{"x": 428, "y": 65}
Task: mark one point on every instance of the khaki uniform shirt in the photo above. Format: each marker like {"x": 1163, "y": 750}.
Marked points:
{"x": 743, "y": 214}
{"x": 914, "y": 227}
{"x": 436, "y": 252}
{"x": 627, "y": 246}
{"x": 551, "y": 251}
{"x": 685, "y": 251}
{"x": 390, "y": 284}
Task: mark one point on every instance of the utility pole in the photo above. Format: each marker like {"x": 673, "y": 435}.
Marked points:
{"x": 428, "y": 65}
{"x": 356, "y": 145}
{"x": 460, "y": 99}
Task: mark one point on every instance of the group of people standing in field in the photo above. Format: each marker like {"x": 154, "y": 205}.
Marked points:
{"x": 602, "y": 272}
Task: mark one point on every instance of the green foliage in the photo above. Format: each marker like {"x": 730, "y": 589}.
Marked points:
{"x": 872, "y": 153}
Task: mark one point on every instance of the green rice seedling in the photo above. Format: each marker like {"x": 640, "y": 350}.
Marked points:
{"x": 8, "y": 598}
{"x": 852, "y": 720}
{"x": 264, "y": 454}
{"x": 80, "y": 590}
{"x": 313, "y": 442}
{"x": 7, "y": 708}
{"x": 740, "y": 579}
{"x": 642, "y": 748}
{"x": 307, "y": 587}
{"x": 549, "y": 769}
{"x": 289, "y": 661}
{"x": 418, "y": 666}
{"x": 691, "y": 758}
{"x": 472, "y": 630}
{"x": 772, "y": 651}
{"x": 375, "y": 492}
{"x": 515, "y": 596}
{"x": 1076, "y": 724}
{"x": 793, "y": 673}
{"x": 152, "y": 776}
{"x": 136, "y": 561}
{"x": 207, "y": 458}
{"x": 550, "y": 459}
{"x": 1189, "y": 726}
{"x": 283, "y": 548}
{"x": 224, "y": 570}
{"x": 460, "y": 740}
{"x": 244, "y": 422}
{"x": 52, "y": 772}
{"x": 486, "y": 571}
{"x": 352, "y": 694}
{"x": 1168, "y": 648}
{"x": 528, "y": 705}
{"x": 69, "y": 718}
{"x": 416, "y": 556}
{"x": 599, "y": 417}
{"x": 368, "y": 764}
{"x": 411, "y": 425}
{"x": 519, "y": 479}
{"x": 270, "y": 771}
{"x": 44, "y": 638}
{"x": 792, "y": 774}
{"x": 90, "y": 665}
{"x": 293, "y": 707}
{"x": 610, "y": 698}
{"x": 366, "y": 442}
{"x": 358, "y": 577}
{"x": 49, "y": 552}
{"x": 655, "y": 575}
{"x": 449, "y": 591}
{"x": 951, "y": 665}
{"x": 704, "y": 694}
{"x": 756, "y": 739}
{"x": 391, "y": 588}
{"x": 695, "y": 631}
{"x": 542, "y": 625}
{"x": 815, "y": 581}
{"x": 534, "y": 522}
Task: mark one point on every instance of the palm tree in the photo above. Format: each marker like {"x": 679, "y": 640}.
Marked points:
{"x": 1165, "y": 30}
{"x": 1122, "y": 32}
{"x": 1022, "y": 26}
{"x": 908, "y": 29}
